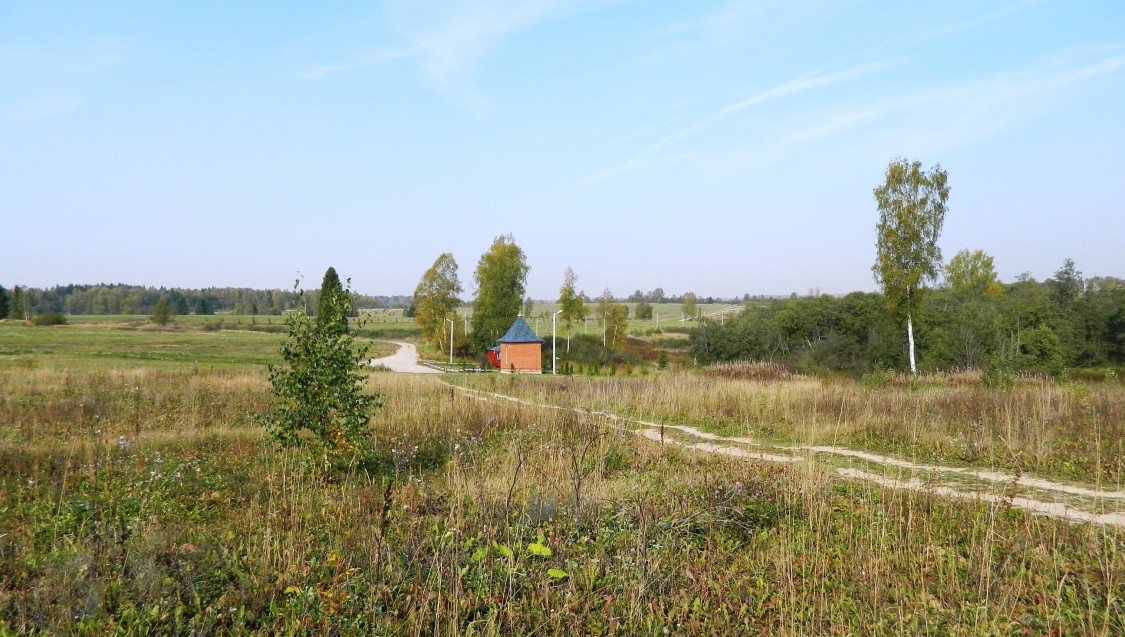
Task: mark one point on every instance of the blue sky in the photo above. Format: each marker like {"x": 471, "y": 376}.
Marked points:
{"x": 720, "y": 147}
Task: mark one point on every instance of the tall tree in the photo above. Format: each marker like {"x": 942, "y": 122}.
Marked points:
{"x": 1067, "y": 284}
{"x": 912, "y": 211}
{"x": 971, "y": 271}
{"x": 601, "y": 313}
{"x": 570, "y": 302}
{"x": 689, "y": 307}
{"x": 435, "y": 299}
{"x": 334, "y": 304}
{"x": 18, "y": 305}
{"x": 5, "y": 302}
{"x": 643, "y": 311}
{"x": 500, "y": 277}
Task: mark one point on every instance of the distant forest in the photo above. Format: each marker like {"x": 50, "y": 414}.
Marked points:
{"x": 133, "y": 299}
{"x": 1053, "y": 326}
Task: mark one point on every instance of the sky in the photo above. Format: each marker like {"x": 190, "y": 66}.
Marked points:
{"x": 720, "y": 147}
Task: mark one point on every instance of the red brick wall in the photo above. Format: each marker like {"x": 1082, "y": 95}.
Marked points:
{"x": 526, "y": 357}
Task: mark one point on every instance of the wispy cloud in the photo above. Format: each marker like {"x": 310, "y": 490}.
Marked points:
{"x": 448, "y": 38}
{"x": 367, "y": 60}
{"x": 800, "y": 84}
{"x": 935, "y": 120}
{"x": 976, "y": 21}
{"x": 980, "y": 105}
{"x": 40, "y": 83}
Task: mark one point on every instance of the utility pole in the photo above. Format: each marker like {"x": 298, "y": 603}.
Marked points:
{"x": 451, "y": 324}
{"x": 554, "y": 356}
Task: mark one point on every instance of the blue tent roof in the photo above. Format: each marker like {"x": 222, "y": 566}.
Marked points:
{"x": 519, "y": 332}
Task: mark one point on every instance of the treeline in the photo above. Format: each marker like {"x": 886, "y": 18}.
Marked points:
{"x": 26, "y": 303}
{"x": 1051, "y": 326}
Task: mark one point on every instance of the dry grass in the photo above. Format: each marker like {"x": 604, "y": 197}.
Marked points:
{"x": 1076, "y": 431}
{"x": 198, "y": 526}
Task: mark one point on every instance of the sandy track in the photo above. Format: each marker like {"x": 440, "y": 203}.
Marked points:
{"x": 405, "y": 360}
{"x": 738, "y": 447}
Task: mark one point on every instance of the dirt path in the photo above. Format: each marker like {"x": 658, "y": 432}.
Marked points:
{"x": 1070, "y": 502}
{"x": 405, "y": 360}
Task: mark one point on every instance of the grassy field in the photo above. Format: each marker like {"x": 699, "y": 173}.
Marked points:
{"x": 137, "y": 496}
{"x": 1070, "y": 430}
{"x": 108, "y": 344}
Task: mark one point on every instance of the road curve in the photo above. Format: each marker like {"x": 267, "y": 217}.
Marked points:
{"x": 405, "y": 360}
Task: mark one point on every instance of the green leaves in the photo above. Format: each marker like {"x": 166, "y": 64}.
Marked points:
{"x": 435, "y": 299}
{"x": 500, "y": 277}
{"x": 538, "y": 550}
{"x": 319, "y": 387}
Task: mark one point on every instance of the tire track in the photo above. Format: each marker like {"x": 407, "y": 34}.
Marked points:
{"x": 737, "y": 447}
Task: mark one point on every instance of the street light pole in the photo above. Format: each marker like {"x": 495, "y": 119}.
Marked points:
{"x": 450, "y": 321}
{"x": 554, "y": 357}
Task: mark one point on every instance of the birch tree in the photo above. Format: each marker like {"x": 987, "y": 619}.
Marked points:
{"x": 571, "y": 304}
{"x": 912, "y": 207}
{"x": 436, "y": 299}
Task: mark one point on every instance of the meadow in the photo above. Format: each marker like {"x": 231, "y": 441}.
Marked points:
{"x": 139, "y": 496}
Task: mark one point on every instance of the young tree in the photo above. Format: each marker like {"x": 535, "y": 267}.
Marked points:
{"x": 601, "y": 313}
{"x": 616, "y": 326}
{"x": 570, "y": 302}
{"x": 911, "y": 214}
{"x": 162, "y": 312}
{"x": 319, "y": 386}
{"x": 500, "y": 276}
{"x": 435, "y": 299}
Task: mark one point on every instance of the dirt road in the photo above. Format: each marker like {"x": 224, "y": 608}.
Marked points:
{"x": 1071, "y": 502}
{"x": 405, "y": 360}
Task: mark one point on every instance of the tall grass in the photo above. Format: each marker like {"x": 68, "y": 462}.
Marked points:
{"x": 144, "y": 502}
{"x": 1071, "y": 430}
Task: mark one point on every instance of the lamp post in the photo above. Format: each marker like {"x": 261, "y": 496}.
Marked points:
{"x": 450, "y": 321}
{"x": 554, "y": 358}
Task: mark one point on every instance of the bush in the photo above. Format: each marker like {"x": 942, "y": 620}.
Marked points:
{"x": 879, "y": 378}
{"x": 999, "y": 373}
{"x": 49, "y": 318}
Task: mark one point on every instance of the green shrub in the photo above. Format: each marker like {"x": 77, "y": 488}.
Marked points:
{"x": 49, "y": 318}
{"x": 878, "y": 378}
{"x": 999, "y": 373}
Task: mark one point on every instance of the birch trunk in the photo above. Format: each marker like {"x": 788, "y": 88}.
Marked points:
{"x": 910, "y": 340}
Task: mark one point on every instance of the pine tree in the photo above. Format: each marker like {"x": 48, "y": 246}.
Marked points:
{"x": 334, "y": 304}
